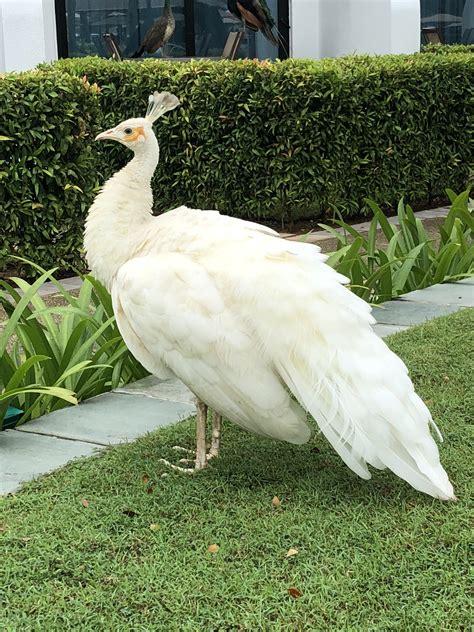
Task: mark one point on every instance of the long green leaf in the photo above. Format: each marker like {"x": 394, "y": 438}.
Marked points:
{"x": 387, "y": 228}
{"x": 401, "y": 275}
{"x": 444, "y": 261}
{"x": 52, "y": 391}
{"x": 18, "y": 311}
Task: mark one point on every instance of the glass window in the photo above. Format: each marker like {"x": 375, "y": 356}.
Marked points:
{"x": 213, "y": 23}
{"x": 452, "y": 20}
{"x": 127, "y": 20}
{"x": 201, "y": 28}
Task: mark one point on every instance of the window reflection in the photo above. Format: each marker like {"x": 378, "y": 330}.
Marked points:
{"x": 129, "y": 20}
{"x": 213, "y": 23}
{"x": 453, "y": 20}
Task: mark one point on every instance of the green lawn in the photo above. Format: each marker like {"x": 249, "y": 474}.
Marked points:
{"x": 372, "y": 555}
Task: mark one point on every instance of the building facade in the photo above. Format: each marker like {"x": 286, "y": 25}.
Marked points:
{"x": 32, "y": 31}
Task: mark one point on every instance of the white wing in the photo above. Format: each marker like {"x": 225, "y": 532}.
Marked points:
{"x": 173, "y": 318}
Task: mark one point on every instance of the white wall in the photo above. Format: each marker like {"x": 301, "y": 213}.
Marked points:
{"x": 2, "y": 46}
{"x": 27, "y": 33}
{"x": 330, "y": 28}
{"x": 405, "y": 26}
{"x": 304, "y": 31}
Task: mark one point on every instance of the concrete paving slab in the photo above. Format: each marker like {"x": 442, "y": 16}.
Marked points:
{"x": 444, "y": 294}
{"x": 110, "y": 419}
{"x": 70, "y": 283}
{"x": 387, "y": 330}
{"x": 467, "y": 281}
{"x": 410, "y": 313}
{"x": 363, "y": 227}
{"x": 433, "y": 213}
{"x": 25, "y": 456}
{"x": 151, "y": 386}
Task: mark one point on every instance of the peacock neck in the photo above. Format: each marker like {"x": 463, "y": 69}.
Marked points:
{"x": 139, "y": 171}
{"x": 119, "y": 214}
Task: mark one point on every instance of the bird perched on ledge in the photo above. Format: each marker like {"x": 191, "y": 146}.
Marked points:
{"x": 256, "y": 16}
{"x": 259, "y": 328}
{"x": 159, "y": 34}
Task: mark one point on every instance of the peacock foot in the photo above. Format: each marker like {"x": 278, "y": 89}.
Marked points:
{"x": 184, "y": 470}
{"x": 191, "y": 459}
{"x": 201, "y": 455}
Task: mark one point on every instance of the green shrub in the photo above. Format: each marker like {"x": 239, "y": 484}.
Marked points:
{"x": 46, "y": 165}
{"x": 47, "y": 355}
{"x": 267, "y": 141}
{"x": 299, "y": 138}
{"x": 448, "y": 49}
{"x": 410, "y": 261}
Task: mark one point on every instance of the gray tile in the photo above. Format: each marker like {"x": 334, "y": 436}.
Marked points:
{"x": 467, "y": 281}
{"x": 386, "y": 330}
{"x": 363, "y": 227}
{"x": 171, "y": 390}
{"x": 110, "y": 418}
{"x": 444, "y": 294}
{"x": 311, "y": 238}
{"x": 70, "y": 283}
{"x": 408, "y": 313}
{"x": 433, "y": 213}
{"x": 25, "y": 456}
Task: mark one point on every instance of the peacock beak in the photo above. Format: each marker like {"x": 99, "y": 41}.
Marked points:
{"x": 108, "y": 135}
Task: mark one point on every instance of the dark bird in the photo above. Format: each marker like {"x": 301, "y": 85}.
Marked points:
{"x": 159, "y": 33}
{"x": 256, "y": 16}
{"x": 112, "y": 45}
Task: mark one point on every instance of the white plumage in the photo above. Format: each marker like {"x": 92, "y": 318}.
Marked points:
{"x": 259, "y": 328}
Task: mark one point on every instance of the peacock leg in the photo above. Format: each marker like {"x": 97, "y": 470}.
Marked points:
{"x": 214, "y": 447}
{"x": 201, "y": 418}
{"x": 200, "y": 461}
{"x": 216, "y": 436}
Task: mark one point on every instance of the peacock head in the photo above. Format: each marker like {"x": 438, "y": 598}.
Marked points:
{"x": 134, "y": 132}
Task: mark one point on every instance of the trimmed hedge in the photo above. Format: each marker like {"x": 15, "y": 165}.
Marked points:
{"x": 46, "y": 158}
{"x": 274, "y": 141}
{"x": 298, "y": 138}
{"x": 447, "y": 49}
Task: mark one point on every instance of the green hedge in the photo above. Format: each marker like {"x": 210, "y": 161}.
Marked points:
{"x": 46, "y": 178}
{"x": 267, "y": 141}
{"x": 296, "y": 138}
{"x": 448, "y": 49}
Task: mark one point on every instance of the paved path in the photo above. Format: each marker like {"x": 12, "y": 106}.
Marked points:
{"x": 123, "y": 415}
{"x": 317, "y": 236}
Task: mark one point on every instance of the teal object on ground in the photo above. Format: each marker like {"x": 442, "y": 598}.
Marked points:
{"x": 12, "y": 416}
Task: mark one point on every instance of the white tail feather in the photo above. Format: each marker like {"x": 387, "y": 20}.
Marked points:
{"x": 366, "y": 422}
{"x": 357, "y": 390}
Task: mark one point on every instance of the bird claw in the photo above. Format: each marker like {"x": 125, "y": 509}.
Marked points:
{"x": 201, "y": 457}
{"x": 179, "y": 448}
{"x": 189, "y": 470}
{"x": 177, "y": 468}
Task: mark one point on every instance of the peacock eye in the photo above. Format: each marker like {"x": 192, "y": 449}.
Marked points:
{"x": 128, "y": 131}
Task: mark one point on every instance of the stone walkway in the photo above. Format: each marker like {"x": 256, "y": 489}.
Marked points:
{"x": 318, "y": 236}
{"x": 51, "y": 441}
